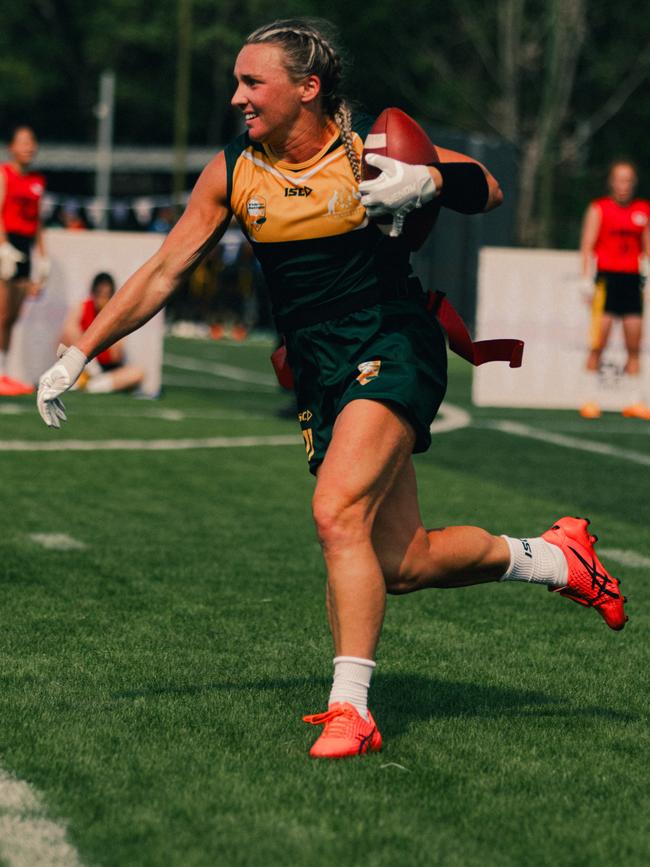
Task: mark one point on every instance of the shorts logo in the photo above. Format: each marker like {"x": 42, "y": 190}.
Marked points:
{"x": 256, "y": 208}
{"x": 368, "y": 370}
{"x": 305, "y": 415}
{"x": 639, "y": 218}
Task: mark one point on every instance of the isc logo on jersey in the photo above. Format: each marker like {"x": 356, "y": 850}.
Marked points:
{"x": 298, "y": 191}
{"x": 639, "y": 218}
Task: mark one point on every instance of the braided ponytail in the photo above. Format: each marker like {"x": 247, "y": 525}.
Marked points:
{"x": 309, "y": 47}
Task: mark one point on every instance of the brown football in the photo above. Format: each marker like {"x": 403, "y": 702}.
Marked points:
{"x": 394, "y": 134}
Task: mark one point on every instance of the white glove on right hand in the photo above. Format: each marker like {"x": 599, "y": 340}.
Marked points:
{"x": 55, "y": 381}
{"x": 399, "y": 189}
{"x": 9, "y": 259}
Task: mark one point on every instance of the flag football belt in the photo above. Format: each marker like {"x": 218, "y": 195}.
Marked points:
{"x": 476, "y": 352}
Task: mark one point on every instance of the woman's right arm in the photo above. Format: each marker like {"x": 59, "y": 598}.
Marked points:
{"x": 203, "y": 223}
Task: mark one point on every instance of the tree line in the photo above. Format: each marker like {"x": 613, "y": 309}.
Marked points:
{"x": 564, "y": 81}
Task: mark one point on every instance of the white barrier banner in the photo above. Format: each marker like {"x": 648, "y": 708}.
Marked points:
{"x": 76, "y": 257}
{"x": 535, "y": 295}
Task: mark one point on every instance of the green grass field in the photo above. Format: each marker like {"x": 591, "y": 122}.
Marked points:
{"x": 153, "y": 682}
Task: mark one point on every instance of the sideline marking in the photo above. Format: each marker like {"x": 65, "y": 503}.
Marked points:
{"x": 57, "y": 541}
{"x": 27, "y": 836}
{"x": 626, "y": 558}
{"x": 524, "y": 430}
{"x": 147, "y": 445}
{"x": 227, "y": 371}
{"x": 208, "y": 384}
{"x": 450, "y": 418}
{"x": 136, "y": 412}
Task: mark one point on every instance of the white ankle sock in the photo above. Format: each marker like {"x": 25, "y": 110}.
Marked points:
{"x": 351, "y": 682}
{"x": 3, "y": 362}
{"x": 537, "y": 562}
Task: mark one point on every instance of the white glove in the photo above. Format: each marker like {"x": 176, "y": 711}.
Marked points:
{"x": 398, "y": 190}
{"x": 42, "y": 269}
{"x": 55, "y": 381}
{"x": 9, "y": 259}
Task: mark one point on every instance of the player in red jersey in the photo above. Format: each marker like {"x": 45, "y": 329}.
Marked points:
{"x": 107, "y": 372}
{"x": 21, "y": 192}
{"x": 616, "y": 231}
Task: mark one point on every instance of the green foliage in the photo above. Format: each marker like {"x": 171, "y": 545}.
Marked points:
{"x": 496, "y": 68}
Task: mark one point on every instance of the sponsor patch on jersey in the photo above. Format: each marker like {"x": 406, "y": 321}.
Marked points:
{"x": 368, "y": 370}
{"x": 639, "y": 218}
{"x": 342, "y": 203}
{"x": 256, "y": 210}
{"x": 305, "y": 415}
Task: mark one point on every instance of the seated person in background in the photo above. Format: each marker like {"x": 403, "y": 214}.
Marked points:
{"x": 107, "y": 372}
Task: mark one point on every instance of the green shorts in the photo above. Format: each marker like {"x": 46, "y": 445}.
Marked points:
{"x": 393, "y": 352}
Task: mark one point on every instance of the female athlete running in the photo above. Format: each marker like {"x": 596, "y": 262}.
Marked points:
{"x": 368, "y": 361}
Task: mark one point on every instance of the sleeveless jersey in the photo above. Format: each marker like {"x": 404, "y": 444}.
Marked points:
{"x": 307, "y": 228}
{"x": 619, "y": 242}
{"x": 88, "y": 315}
{"x": 21, "y": 206}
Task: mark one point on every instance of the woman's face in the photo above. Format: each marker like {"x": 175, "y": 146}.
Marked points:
{"x": 269, "y": 100}
{"x": 622, "y": 182}
{"x": 23, "y": 146}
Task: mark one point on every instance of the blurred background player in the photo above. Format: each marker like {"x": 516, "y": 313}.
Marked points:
{"x": 616, "y": 232}
{"x": 21, "y": 192}
{"x": 109, "y": 373}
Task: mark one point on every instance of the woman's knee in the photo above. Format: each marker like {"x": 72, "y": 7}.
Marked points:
{"x": 339, "y": 519}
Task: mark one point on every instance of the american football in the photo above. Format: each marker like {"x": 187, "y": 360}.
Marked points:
{"x": 394, "y": 134}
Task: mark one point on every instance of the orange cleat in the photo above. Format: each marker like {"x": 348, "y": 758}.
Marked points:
{"x": 590, "y": 410}
{"x": 637, "y": 410}
{"x": 589, "y": 583}
{"x": 346, "y": 733}
{"x": 13, "y": 387}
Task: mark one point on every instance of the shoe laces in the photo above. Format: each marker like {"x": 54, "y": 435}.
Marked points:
{"x": 333, "y": 719}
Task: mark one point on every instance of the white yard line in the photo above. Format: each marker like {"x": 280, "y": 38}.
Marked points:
{"x": 147, "y": 445}
{"x": 27, "y": 837}
{"x": 524, "y": 430}
{"x": 632, "y": 559}
{"x": 227, "y": 371}
{"x": 57, "y": 541}
{"x": 450, "y": 418}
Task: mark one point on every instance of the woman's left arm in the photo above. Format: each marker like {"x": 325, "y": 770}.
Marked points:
{"x": 445, "y": 156}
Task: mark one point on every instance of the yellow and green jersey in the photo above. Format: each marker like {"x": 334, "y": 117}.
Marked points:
{"x": 308, "y": 229}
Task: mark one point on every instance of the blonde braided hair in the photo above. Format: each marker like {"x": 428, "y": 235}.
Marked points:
{"x": 308, "y": 44}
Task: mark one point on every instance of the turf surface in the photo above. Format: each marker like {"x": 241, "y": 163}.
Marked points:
{"x": 153, "y": 682}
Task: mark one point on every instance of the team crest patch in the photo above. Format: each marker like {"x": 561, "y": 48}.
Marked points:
{"x": 256, "y": 209}
{"x": 368, "y": 370}
{"x": 639, "y": 218}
